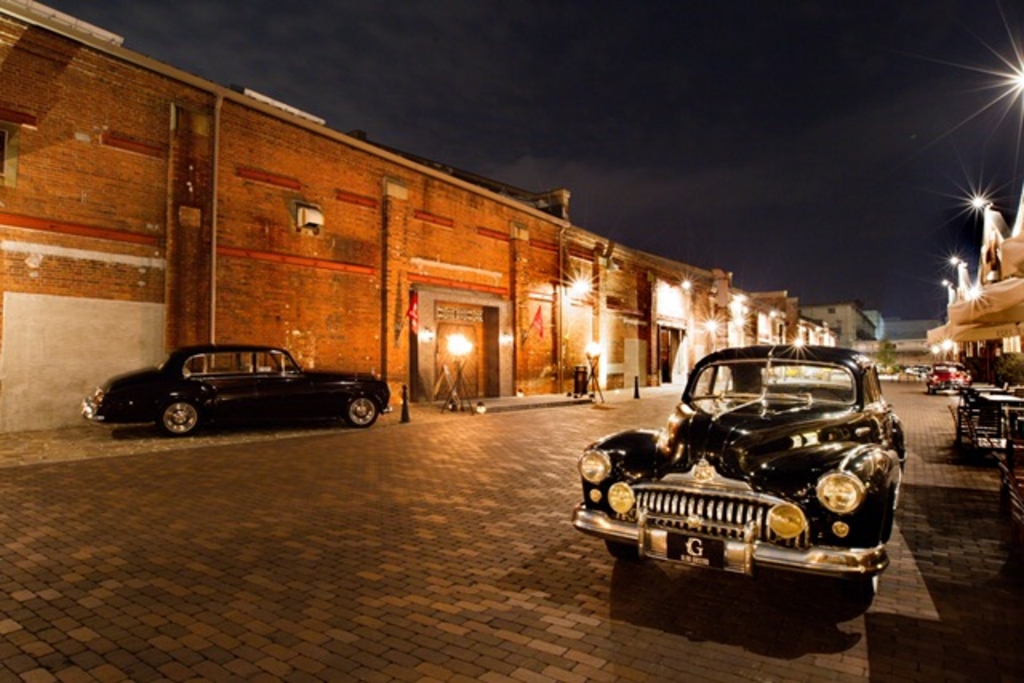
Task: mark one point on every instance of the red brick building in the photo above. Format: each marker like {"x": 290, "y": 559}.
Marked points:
{"x": 143, "y": 208}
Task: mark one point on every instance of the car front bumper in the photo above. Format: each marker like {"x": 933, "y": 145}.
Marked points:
{"x": 91, "y": 410}
{"x": 947, "y": 386}
{"x": 741, "y": 556}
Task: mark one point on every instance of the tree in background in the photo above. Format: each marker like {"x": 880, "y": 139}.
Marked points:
{"x": 1010, "y": 369}
{"x": 886, "y": 356}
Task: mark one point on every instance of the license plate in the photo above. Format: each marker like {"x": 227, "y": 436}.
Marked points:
{"x": 696, "y": 550}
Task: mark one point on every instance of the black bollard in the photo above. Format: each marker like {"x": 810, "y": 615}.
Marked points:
{"x": 405, "y": 403}
{"x": 636, "y": 386}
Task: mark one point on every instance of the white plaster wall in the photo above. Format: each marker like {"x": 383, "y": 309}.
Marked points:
{"x": 56, "y": 350}
{"x": 634, "y": 364}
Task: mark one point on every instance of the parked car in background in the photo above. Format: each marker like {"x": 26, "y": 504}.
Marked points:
{"x": 918, "y": 371}
{"x": 238, "y": 383}
{"x": 947, "y": 376}
{"x": 777, "y": 456}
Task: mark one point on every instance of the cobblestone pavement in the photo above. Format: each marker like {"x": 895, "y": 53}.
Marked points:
{"x": 440, "y": 550}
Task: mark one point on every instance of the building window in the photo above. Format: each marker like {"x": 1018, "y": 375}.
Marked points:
{"x": 8, "y": 154}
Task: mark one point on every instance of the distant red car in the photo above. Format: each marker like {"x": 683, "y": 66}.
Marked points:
{"x": 946, "y": 376}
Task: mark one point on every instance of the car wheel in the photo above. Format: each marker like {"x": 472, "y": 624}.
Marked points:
{"x": 623, "y": 551}
{"x": 861, "y": 590}
{"x": 362, "y": 412}
{"x": 179, "y": 418}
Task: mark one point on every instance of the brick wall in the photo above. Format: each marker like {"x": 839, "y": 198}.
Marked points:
{"x": 86, "y": 215}
{"x": 118, "y": 182}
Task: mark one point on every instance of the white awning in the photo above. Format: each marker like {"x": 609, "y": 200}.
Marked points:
{"x": 976, "y": 332}
{"x": 999, "y": 302}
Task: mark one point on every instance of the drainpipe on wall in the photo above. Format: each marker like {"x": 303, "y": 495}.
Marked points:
{"x": 385, "y": 205}
{"x": 213, "y": 218}
{"x": 560, "y": 293}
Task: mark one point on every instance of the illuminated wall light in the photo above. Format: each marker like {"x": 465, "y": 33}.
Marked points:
{"x": 579, "y": 286}
{"x": 459, "y": 345}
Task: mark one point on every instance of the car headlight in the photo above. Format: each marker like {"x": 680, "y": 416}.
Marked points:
{"x": 840, "y": 492}
{"x": 786, "y": 520}
{"x": 620, "y": 497}
{"x": 595, "y": 466}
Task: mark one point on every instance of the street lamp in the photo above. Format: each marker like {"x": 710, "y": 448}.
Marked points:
{"x": 947, "y": 349}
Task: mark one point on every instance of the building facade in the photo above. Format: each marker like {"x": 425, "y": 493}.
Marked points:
{"x": 144, "y": 209}
{"x": 847, "y": 320}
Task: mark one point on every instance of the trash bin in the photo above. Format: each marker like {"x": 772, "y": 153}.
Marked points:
{"x": 579, "y": 380}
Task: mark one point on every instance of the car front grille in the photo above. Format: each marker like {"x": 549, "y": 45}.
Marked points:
{"x": 724, "y": 515}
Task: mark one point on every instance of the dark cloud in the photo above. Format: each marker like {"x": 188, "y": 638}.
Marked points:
{"x": 822, "y": 148}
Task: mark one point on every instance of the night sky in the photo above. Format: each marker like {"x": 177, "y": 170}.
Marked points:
{"x": 824, "y": 148}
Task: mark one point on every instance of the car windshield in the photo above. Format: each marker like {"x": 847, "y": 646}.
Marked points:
{"x": 730, "y": 385}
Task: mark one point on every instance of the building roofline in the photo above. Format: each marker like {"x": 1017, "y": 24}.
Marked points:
{"x": 37, "y": 14}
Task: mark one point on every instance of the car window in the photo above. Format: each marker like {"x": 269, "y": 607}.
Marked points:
{"x": 268, "y": 363}
{"x": 872, "y": 387}
{"x": 275, "y": 363}
{"x": 739, "y": 381}
{"x": 220, "y": 363}
{"x": 729, "y": 379}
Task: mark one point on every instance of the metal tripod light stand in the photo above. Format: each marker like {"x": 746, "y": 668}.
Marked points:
{"x": 593, "y": 353}
{"x": 458, "y": 399}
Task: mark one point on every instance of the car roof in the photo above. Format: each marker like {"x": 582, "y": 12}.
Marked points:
{"x": 186, "y": 351}
{"x": 853, "y": 360}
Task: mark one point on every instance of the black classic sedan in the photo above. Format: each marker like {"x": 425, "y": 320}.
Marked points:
{"x": 777, "y": 456}
{"x": 221, "y": 383}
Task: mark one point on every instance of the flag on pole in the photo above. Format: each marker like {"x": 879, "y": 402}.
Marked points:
{"x": 538, "y": 323}
{"x": 413, "y": 314}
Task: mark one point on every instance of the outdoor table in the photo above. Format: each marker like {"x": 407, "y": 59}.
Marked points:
{"x": 985, "y": 416}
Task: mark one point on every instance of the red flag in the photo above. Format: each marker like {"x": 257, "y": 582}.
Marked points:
{"x": 538, "y": 323}
{"x": 413, "y": 314}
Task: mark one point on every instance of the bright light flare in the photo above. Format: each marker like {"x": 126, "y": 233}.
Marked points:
{"x": 1006, "y": 81}
{"x": 459, "y": 345}
{"x": 580, "y": 286}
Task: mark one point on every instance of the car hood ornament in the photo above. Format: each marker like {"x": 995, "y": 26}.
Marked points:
{"x": 703, "y": 471}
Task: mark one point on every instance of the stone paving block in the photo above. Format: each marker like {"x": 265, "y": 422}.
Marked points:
{"x": 242, "y": 557}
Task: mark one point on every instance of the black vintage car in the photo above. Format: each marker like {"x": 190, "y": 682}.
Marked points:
{"x": 777, "y": 456}
{"x": 201, "y": 384}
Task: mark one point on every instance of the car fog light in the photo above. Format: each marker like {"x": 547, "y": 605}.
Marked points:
{"x": 786, "y": 520}
{"x": 595, "y": 466}
{"x": 595, "y": 495}
{"x": 840, "y": 492}
{"x": 620, "y": 497}
{"x": 840, "y": 529}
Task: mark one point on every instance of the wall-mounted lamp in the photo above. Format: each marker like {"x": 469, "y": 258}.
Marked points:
{"x": 307, "y": 217}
